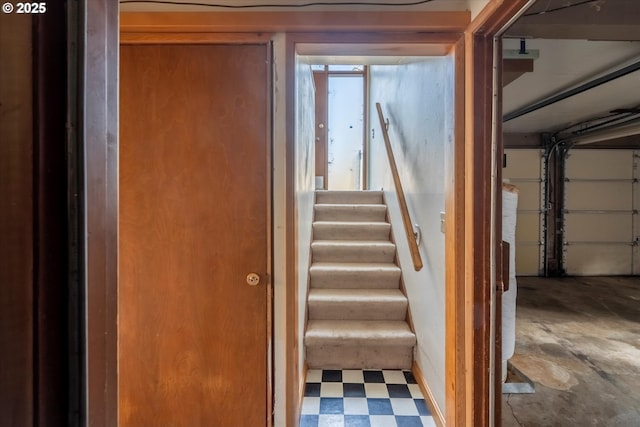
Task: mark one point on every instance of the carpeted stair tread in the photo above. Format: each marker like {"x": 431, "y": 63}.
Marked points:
{"x": 361, "y": 197}
{"x": 359, "y": 333}
{"x": 356, "y": 309}
{"x": 354, "y": 275}
{"x": 350, "y": 212}
{"x": 353, "y": 251}
{"x": 354, "y": 304}
{"x": 351, "y": 230}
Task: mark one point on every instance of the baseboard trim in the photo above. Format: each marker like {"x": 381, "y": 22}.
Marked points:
{"x": 301, "y": 387}
{"x": 429, "y": 398}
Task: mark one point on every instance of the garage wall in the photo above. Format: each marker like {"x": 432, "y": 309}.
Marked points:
{"x": 524, "y": 170}
{"x": 601, "y": 218}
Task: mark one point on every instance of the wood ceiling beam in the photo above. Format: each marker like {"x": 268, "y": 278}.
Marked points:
{"x": 514, "y": 68}
{"x": 522, "y": 140}
{"x": 248, "y": 22}
{"x": 628, "y": 142}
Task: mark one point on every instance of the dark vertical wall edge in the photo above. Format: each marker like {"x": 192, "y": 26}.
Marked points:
{"x": 36, "y": 216}
{"x": 75, "y": 301}
{"x": 99, "y": 201}
{"x": 50, "y": 219}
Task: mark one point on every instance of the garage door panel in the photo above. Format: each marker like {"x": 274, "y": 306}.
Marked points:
{"x": 522, "y": 163}
{"x": 527, "y": 259}
{"x": 528, "y": 227}
{"x": 528, "y": 195}
{"x": 598, "y": 195}
{"x": 524, "y": 170}
{"x": 599, "y": 219}
{"x": 600, "y": 164}
{"x": 598, "y": 227}
{"x": 602, "y": 259}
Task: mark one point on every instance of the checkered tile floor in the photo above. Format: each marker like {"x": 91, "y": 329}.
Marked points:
{"x": 354, "y": 398}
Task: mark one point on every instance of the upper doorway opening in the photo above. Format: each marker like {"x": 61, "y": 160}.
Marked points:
{"x": 340, "y": 126}
{"x": 342, "y": 130}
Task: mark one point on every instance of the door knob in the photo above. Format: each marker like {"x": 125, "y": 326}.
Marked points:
{"x": 253, "y": 279}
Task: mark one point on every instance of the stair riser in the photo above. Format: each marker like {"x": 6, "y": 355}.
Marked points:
{"x": 350, "y": 213}
{"x": 353, "y": 232}
{"x": 363, "y": 197}
{"x": 382, "y": 310}
{"x": 350, "y": 254}
{"x": 355, "y": 280}
{"x": 359, "y": 357}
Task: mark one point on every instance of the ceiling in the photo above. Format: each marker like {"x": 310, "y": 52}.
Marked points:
{"x": 308, "y": 5}
{"x": 579, "y": 44}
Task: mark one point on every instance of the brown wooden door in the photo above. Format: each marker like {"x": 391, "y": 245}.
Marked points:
{"x": 193, "y": 221}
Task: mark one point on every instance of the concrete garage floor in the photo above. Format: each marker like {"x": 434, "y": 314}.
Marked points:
{"x": 578, "y": 340}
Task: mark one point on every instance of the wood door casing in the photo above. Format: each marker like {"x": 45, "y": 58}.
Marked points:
{"x": 17, "y": 248}
{"x": 321, "y": 82}
{"x": 193, "y": 222}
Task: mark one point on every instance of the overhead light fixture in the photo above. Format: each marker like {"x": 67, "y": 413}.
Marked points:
{"x": 522, "y": 53}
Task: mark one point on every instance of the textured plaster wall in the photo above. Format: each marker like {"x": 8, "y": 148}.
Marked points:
{"x": 304, "y": 172}
{"x": 476, "y": 6}
{"x": 279, "y": 229}
{"x": 305, "y": 183}
{"x": 417, "y": 98}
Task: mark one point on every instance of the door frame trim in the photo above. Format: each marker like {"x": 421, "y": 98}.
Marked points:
{"x": 483, "y": 226}
{"x": 97, "y": 103}
{"x": 437, "y": 44}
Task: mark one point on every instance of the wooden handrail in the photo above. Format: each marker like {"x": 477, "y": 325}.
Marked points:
{"x": 406, "y": 218}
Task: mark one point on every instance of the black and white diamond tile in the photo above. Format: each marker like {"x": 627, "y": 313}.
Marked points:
{"x": 370, "y": 398}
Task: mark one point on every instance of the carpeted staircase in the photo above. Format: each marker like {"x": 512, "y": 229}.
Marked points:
{"x": 357, "y": 310}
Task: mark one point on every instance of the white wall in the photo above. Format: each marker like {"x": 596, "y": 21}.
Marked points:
{"x": 418, "y": 100}
{"x": 476, "y": 6}
{"x": 279, "y": 230}
{"x": 304, "y": 175}
{"x": 305, "y": 184}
